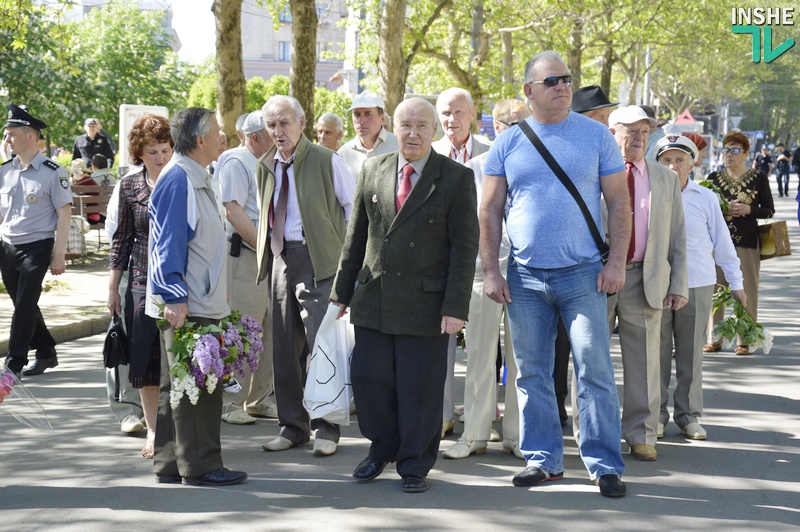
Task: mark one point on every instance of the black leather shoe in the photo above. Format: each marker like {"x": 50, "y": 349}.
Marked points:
{"x": 219, "y": 477}
{"x": 414, "y": 484}
{"x": 533, "y": 476}
{"x": 368, "y": 470}
{"x": 168, "y": 479}
{"x": 39, "y": 365}
{"x": 611, "y": 486}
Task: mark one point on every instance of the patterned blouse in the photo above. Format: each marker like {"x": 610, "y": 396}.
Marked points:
{"x": 751, "y": 188}
{"x": 129, "y": 245}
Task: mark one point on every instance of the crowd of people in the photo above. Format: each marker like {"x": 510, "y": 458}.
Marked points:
{"x": 416, "y": 240}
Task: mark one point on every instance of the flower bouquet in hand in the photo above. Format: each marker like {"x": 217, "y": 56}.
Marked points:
{"x": 739, "y": 323}
{"x": 205, "y": 355}
{"x": 723, "y": 203}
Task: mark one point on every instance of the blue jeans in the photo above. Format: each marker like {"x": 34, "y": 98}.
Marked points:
{"x": 538, "y": 297}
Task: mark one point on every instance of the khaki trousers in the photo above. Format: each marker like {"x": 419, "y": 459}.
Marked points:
{"x": 250, "y": 298}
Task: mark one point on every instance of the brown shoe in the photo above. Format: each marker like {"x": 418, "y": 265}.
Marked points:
{"x": 644, "y": 452}
{"x": 742, "y": 350}
{"x": 712, "y": 348}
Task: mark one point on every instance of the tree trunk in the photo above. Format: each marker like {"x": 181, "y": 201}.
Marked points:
{"x": 303, "y": 72}
{"x": 605, "y": 72}
{"x": 575, "y": 52}
{"x": 508, "y": 58}
{"x": 392, "y": 65}
{"x": 230, "y": 70}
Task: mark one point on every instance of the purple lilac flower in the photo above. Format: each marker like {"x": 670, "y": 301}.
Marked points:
{"x": 205, "y": 351}
{"x": 199, "y": 376}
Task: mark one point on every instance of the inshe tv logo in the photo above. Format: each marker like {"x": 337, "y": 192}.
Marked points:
{"x": 758, "y": 20}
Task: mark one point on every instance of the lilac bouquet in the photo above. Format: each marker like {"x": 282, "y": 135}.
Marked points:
{"x": 206, "y": 355}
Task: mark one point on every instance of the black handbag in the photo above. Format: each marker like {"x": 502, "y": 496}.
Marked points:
{"x": 562, "y": 176}
{"x": 115, "y": 348}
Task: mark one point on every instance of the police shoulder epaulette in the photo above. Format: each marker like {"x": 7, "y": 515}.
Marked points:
{"x": 51, "y": 165}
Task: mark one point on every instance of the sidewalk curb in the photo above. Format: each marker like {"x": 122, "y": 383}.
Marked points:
{"x": 83, "y": 326}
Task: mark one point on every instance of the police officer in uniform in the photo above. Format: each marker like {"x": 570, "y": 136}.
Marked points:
{"x": 35, "y": 205}
{"x": 91, "y": 143}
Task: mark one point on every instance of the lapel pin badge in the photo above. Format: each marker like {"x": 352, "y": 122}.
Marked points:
{"x": 374, "y": 198}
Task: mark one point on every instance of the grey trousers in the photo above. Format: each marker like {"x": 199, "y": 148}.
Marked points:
{"x": 687, "y": 327}
{"x": 299, "y": 303}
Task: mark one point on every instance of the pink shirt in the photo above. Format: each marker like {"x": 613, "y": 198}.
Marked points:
{"x": 641, "y": 212}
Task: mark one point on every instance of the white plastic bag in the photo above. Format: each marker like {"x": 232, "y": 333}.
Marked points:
{"x": 328, "y": 391}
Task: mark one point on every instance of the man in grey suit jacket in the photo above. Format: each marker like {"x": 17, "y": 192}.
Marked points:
{"x": 406, "y": 272}
{"x": 655, "y": 278}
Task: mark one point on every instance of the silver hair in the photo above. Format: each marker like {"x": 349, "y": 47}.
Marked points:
{"x": 454, "y": 92}
{"x": 330, "y": 117}
{"x": 285, "y": 101}
{"x": 547, "y": 55}
{"x": 187, "y": 125}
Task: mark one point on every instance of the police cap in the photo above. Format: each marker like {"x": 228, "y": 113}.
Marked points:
{"x": 18, "y": 117}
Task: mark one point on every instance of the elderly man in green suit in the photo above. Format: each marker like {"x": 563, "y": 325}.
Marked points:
{"x": 406, "y": 273}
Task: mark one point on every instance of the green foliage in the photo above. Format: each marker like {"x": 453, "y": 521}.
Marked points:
{"x": 68, "y": 71}
{"x": 203, "y": 92}
{"x": 739, "y": 324}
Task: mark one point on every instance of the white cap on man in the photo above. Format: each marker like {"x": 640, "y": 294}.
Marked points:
{"x": 367, "y": 99}
{"x": 629, "y": 115}
{"x": 677, "y": 142}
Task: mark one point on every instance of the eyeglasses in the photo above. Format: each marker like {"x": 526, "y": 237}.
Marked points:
{"x": 735, "y": 151}
{"x": 552, "y": 81}
{"x": 509, "y": 124}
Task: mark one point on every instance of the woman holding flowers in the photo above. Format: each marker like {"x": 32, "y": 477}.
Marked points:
{"x": 749, "y": 198}
{"x": 150, "y": 145}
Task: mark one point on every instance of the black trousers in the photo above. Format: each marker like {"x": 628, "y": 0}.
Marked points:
{"x": 398, "y": 384}
{"x": 23, "y": 268}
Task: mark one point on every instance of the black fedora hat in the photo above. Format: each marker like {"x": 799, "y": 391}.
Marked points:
{"x": 590, "y": 98}
{"x": 18, "y": 117}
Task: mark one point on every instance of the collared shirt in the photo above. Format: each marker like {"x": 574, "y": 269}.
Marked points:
{"x": 461, "y": 154}
{"x": 354, "y": 153}
{"x": 641, "y": 211}
{"x": 30, "y": 198}
{"x": 344, "y": 186}
{"x": 708, "y": 240}
{"x": 417, "y": 165}
{"x": 237, "y": 181}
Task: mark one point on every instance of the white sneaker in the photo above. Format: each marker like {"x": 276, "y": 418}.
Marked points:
{"x": 512, "y": 447}
{"x": 131, "y": 424}
{"x": 264, "y": 409}
{"x": 660, "y": 430}
{"x": 324, "y": 447}
{"x": 281, "y": 444}
{"x": 238, "y": 417}
{"x": 463, "y": 448}
{"x": 694, "y": 431}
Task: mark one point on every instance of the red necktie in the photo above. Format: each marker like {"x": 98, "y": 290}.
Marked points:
{"x": 405, "y": 186}
{"x": 279, "y": 218}
{"x": 632, "y": 192}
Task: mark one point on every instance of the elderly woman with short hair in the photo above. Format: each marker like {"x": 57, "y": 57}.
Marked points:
{"x": 749, "y": 198}
{"x": 150, "y": 145}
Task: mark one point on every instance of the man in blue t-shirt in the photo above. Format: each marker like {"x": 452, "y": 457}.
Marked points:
{"x": 556, "y": 269}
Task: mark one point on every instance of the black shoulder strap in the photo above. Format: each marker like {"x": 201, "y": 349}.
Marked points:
{"x": 567, "y": 182}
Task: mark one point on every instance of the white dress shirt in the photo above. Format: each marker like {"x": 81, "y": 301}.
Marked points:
{"x": 708, "y": 239}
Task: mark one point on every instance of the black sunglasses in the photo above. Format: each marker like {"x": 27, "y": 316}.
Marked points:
{"x": 509, "y": 124}
{"x": 552, "y": 81}
{"x": 735, "y": 151}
